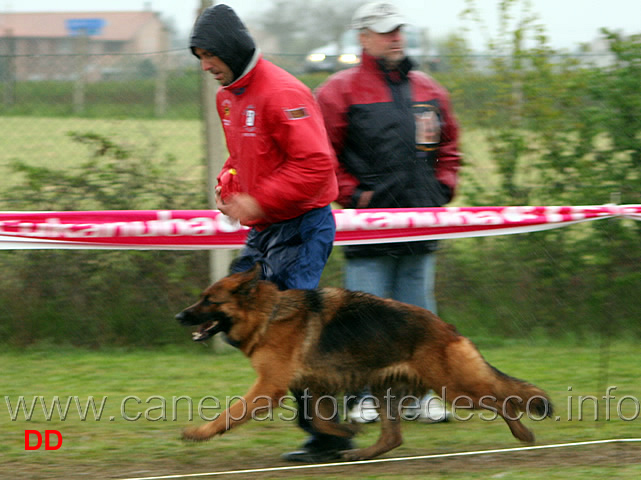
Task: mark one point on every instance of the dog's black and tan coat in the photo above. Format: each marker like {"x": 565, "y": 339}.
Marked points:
{"x": 330, "y": 341}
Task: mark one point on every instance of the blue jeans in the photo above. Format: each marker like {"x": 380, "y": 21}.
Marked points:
{"x": 293, "y": 252}
{"x": 406, "y": 278}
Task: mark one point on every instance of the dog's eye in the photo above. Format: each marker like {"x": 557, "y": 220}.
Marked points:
{"x": 206, "y": 302}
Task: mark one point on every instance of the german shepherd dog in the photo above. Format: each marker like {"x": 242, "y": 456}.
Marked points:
{"x": 331, "y": 340}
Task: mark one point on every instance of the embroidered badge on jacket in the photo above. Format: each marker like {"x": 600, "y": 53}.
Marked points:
{"x": 226, "y": 112}
{"x": 250, "y": 117}
{"x": 428, "y": 127}
{"x": 296, "y": 113}
{"x": 249, "y": 125}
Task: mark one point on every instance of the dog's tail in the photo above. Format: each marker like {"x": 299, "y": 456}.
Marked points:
{"x": 517, "y": 398}
{"x": 491, "y": 389}
{"x": 525, "y": 397}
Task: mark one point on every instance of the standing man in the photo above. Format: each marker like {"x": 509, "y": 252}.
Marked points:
{"x": 395, "y": 137}
{"x": 279, "y": 178}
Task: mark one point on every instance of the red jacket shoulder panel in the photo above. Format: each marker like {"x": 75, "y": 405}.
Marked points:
{"x": 277, "y": 143}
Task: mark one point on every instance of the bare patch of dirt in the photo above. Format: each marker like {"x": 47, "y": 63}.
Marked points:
{"x": 615, "y": 454}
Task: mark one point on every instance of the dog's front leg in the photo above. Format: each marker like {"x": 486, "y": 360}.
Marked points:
{"x": 261, "y": 397}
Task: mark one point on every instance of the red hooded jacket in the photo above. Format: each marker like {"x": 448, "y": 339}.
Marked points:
{"x": 279, "y": 152}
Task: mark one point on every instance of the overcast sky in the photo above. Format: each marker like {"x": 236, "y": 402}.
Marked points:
{"x": 567, "y": 22}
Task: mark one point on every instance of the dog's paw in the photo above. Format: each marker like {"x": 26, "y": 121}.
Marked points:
{"x": 194, "y": 434}
{"x": 352, "y": 455}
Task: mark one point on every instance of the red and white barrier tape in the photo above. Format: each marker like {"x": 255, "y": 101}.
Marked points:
{"x": 208, "y": 229}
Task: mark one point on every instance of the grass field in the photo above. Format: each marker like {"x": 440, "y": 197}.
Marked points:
{"x": 42, "y": 141}
{"x": 136, "y": 435}
{"x": 128, "y": 383}
{"x": 45, "y": 141}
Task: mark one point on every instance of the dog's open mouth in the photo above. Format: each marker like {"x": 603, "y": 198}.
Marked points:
{"x": 209, "y": 324}
{"x": 205, "y": 331}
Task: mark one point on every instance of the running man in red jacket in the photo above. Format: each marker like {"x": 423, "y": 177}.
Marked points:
{"x": 280, "y": 176}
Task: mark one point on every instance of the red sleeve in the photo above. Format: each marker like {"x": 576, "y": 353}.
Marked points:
{"x": 334, "y": 109}
{"x": 306, "y": 176}
{"x": 449, "y": 159}
{"x": 347, "y": 184}
{"x": 226, "y": 167}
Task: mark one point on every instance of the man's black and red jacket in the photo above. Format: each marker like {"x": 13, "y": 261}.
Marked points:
{"x": 370, "y": 115}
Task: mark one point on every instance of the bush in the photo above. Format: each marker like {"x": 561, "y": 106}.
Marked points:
{"x": 92, "y": 297}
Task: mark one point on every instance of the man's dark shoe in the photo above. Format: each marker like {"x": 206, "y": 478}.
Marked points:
{"x": 310, "y": 455}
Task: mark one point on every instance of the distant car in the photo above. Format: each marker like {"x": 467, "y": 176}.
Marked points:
{"x": 328, "y": 58}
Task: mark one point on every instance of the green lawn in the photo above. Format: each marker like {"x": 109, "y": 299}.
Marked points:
{"x": 42, "y": 141}
{"x": 128, "y": 383}
{"x": 132, "y": 384}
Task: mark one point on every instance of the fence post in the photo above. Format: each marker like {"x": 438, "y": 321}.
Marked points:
{"x": 9, "y": 77}
{"x": 219, "y": 259}
{"x": 82, "y": 52}
{"x": 161, "y": 75}
{"x": 216, "y": 154}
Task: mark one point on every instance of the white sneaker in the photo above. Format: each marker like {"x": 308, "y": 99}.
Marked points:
{"x": 364, "y": 411}
{"x": 432, "y": 410}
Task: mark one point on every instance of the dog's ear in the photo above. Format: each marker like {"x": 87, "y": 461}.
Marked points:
{"x": 249, "y": 280}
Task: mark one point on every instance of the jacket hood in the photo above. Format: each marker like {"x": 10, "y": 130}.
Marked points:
{"x": 219, "y": 31}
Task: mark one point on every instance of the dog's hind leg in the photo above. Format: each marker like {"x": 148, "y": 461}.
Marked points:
{"x": 324, "y": 418}
{"x": 470, "y": 377}
{"x": 512, "y": 417}
{"x": 389, "y": 438}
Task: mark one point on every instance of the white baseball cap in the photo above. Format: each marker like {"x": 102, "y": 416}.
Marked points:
{"x": 380, "y": 17}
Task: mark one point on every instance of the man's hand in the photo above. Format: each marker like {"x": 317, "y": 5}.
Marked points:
{"x": 365, "y": 199}
{"x": 240, "y": 206}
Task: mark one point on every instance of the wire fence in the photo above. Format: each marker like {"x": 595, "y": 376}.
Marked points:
{"x": 125, "y": 132}
{"x": 155, "y": 99}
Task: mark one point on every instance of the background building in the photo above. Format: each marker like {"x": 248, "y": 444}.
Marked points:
{"x": 103, "y": 36}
